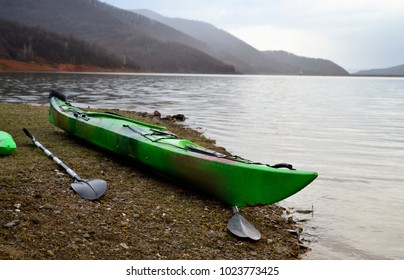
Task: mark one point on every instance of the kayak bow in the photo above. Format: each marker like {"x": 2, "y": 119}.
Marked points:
{"x": 7, "y": 144}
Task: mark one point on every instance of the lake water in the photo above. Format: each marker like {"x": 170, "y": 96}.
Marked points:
{"x": 349, "y": 129}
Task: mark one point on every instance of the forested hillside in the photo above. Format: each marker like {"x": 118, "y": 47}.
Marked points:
{"x": 22, "y": 43}
{"x": 128, "y": 35}
{"x": 307, "y": 65}
{"x": 153, "y": 42}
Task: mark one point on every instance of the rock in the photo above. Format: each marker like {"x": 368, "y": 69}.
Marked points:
{"x": 304, "y": 247}
{"x": 304, "y": 211}
{"x": 50, "y": 253}
{"x": 157, "y": 114}
{"x": 294, "y": 232}
{"x": 179, "y": 117}
{"x": 12, "y": 223}
{"x": 124, "y": 224}
{"x": 17, "y": 207}
{"x": 123, "y": 245}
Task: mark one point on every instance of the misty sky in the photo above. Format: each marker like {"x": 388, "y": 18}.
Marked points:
{"x": 356, "y": 34}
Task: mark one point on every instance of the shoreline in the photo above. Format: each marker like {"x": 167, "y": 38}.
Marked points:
{"x": 8, "y": 65}
{"x": 141, "y": 216}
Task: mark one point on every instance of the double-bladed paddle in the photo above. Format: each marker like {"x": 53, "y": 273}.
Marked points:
{"x": 90, "y": 190}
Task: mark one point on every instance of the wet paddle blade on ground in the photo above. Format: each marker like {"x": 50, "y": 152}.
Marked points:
{"x": 240, "y": 227}
{"x": 90, "y": 190}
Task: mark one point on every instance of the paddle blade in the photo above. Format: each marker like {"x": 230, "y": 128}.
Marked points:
{"x": 240, "y": 227}
{"x": 90, "y": 190}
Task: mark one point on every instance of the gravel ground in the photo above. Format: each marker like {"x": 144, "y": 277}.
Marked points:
{"x": 141, "y": 216}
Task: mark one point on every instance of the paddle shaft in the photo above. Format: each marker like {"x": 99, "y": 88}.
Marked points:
{"x": 53, "y": 157}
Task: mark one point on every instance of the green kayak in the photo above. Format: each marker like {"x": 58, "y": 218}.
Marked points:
{"x": 7, "y": 144}
{"x": 233, "y": 180}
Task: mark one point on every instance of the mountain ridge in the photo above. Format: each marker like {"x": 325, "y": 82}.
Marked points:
{"x": 389, "y": 71}
{"x": 154, "y": 45}
{"x": 246, "y": 59}
{"x": 307, "y": 65}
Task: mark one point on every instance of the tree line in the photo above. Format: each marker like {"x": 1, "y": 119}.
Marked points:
{"x": 23, "y": 43}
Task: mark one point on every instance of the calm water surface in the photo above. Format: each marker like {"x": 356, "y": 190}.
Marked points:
{"x": 350, "y": 130}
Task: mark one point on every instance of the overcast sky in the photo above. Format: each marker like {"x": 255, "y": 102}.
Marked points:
{"x": 356, "y": 34}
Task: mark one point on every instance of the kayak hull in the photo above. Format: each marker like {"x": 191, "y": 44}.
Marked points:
{"x": 232, "y": 180}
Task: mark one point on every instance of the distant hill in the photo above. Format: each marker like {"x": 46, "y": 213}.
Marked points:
{"x": 391, "y": 71}
{"x": 223, "y": 45}
{"x": 152, "y": 45}
{"x": 244, "y": 57}
{"x": 306, "y": 65}
{"x": 22, "y": 43}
